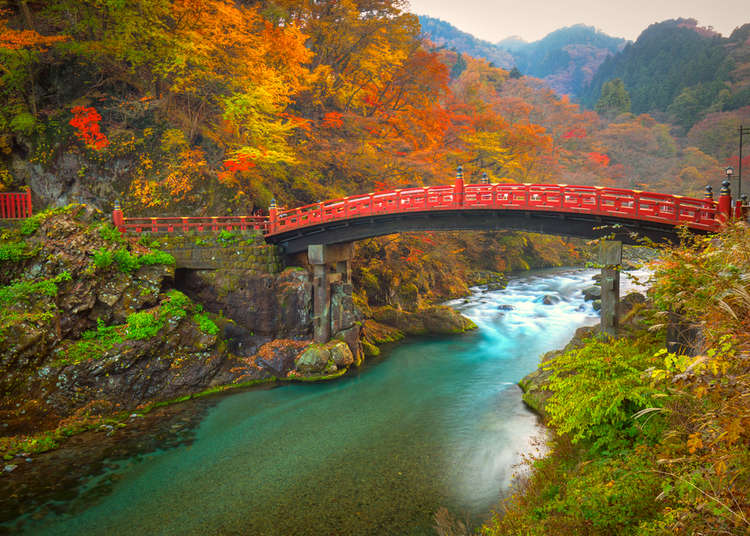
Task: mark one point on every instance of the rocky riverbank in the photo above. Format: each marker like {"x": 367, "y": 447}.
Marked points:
{"x": 95, "y": 327}
{"x": 535, "y": 385}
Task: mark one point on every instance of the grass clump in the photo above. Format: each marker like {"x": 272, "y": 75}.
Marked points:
{"x": 93, "y": 344}
{"x": 24, "y": 290}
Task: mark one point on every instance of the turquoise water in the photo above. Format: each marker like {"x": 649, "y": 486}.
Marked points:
{"x": 436, "y": 422}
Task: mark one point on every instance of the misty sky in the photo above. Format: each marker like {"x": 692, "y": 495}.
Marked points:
{"x": 494, "y": 20}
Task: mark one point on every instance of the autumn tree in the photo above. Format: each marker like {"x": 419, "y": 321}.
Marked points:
{"x": 614, "y": 99}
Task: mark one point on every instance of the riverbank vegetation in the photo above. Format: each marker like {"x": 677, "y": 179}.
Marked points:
{"x": 646, "y": 441}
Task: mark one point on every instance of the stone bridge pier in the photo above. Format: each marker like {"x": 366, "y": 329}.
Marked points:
{"x": 332, "y": 288}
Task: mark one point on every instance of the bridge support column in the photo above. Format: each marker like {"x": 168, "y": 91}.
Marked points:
{"x": 610, "y": 257}
{"x": 330, "y": 264}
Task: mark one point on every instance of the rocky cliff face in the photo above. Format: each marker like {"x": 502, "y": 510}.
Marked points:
{"x": 89, "y": 319}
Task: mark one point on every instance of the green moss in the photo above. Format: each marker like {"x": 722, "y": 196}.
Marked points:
{"x": 143, "y": 325}
{"x": 205, "y": 324}
{"x": 93, "y": 344}
{"x": 318, "y": 378}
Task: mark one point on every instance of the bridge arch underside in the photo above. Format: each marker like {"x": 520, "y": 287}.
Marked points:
{"x": 585, "y": 226}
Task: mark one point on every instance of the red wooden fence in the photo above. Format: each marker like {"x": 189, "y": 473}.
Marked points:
{"x": 14, "y": 205}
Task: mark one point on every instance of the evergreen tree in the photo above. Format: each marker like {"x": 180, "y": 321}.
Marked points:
{"x": 614, "y": 99}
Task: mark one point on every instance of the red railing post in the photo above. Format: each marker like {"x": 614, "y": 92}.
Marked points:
{"x": 28, "y": 201}
{"x": 458, "y": 186}
{"x": 725, "y": 202}
{"x": 117, "y": 216}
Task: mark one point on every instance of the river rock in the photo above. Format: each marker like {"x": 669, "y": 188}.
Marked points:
{"x": 313, "y": 359}
{"x": 278, "y": 356}
{"x": 550, "y": 300}
{"x": 592, "y": 293}
{"x": 341, "y": 354}
{"x": 438, "y": 319}
{"x": 505, "y": 307}
{"x": 597, "y": 305}
{"x": 351, "y": 337}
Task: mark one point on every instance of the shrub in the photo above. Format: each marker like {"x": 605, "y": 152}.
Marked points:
{"x": 126, "y": 262}
{"x": 110, "y": 233}
{"x": 156, "y": 257}
{"x": 598, "y": 388}
{"x": 103, "y": 258}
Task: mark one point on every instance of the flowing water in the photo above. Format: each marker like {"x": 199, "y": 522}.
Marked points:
{"x": 437, "y": 422}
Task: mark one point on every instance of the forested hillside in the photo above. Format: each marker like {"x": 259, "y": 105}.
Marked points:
{"x": 566, "y": 58}
{"x": 444, "y": 34}
{"x": 680, "y": 70}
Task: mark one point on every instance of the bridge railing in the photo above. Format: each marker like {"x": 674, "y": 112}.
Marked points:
{"x": 701, "y": 214}
{"x": 15, "y": 205}
{"x": 618, "y": 202}
{"x": 208, "y": 223}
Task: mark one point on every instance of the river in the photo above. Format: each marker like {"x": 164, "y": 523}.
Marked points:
{"x": 435, "y": 422}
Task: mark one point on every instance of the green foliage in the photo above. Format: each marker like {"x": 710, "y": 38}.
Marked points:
{"x": 24, "y": 123}
{"x": 23, "y": 290}
{"x": 30, "y": 225}
{"x": 103, "y": 258}
{"x": 156, "y": 257}
{"x": 667, "y": 58}
{"x": 614, "y": 99}
{"x": 227, "y": 237}
{"x": 175, "y": 305}
{"x": 110, "y": 233}
{"x": 93, "y": 344}
{"x": 13, "y": 251}
{"x": 146, "y": 324}
{"x": 128, "y": 262}
{"x": 598, "y": 389}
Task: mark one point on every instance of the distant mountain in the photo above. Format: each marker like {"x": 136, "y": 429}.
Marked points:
{"x": 567, "y": 58}
{"x": 447, "y": 35}
{"x": 680, "y": 69}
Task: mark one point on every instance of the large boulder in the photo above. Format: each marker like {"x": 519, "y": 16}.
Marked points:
{"x": 437, "y": 319}
{"x": 341, "y": 354}
{"x": 592, "y": 293}
{"x": 313, "y": 359}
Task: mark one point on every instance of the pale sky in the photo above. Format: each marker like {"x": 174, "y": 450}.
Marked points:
{"x": 494, "y": 20}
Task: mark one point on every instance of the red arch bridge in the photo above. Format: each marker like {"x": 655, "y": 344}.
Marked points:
{"x": 578, "y": 211}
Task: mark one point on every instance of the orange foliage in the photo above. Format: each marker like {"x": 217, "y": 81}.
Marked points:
{"x": 86, "y": 120}
{"x": 17, "y": 39}
{"x": 599, "y": 158}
